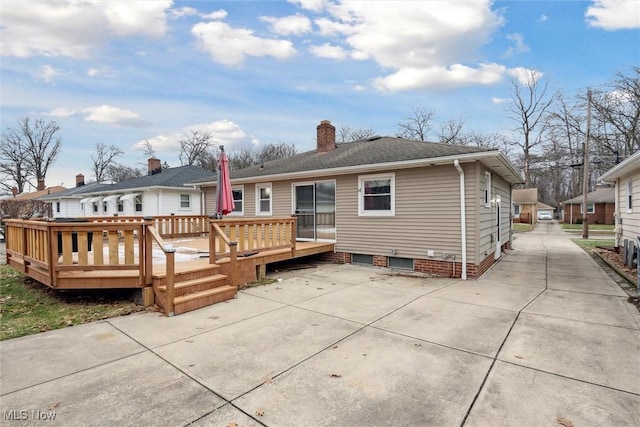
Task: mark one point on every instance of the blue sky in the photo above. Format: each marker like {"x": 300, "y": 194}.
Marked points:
{"x": 257, "y": 72}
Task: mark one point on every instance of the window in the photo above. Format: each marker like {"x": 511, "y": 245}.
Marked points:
{"x": 185, "y": 201}
{"x": 487, "y": 189}
{"x": 104, "y": 207}
{"x": 362, "y": 259}
{"x": 263, "y": 199}
{"x": 138, "y": 203}
{"x": 376, "y": 195}
{"x": 591, "y": 208}
{"x": 400, "y": 263}
{"x": 238, "y": 200}
{"x": 58, "y": 207}
{"x": 516, "y": 209}
{"x": 120, "y": 206}
{"x": 628, "y": 196}
{"x": 95, "y": 207}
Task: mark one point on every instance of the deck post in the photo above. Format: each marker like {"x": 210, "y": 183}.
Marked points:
{"x": 212, "y": 241}
{"x": 233, "y": 263}
{"x": 170, "y": 281}
{"x": 53, "y": 254}
{"x": 293, "y": 235}
{"x": 148, "y": 252}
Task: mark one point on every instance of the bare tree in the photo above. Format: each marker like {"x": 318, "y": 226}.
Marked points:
{"x": 241, "y": 159}
{"x": 147, "y": 149}
{"x": 451, "y": 132}
{"x": 275, "y": 151}
{"x": 12, "y": 208}
{"x": 39, "y": 145}
{"x": 103, "y": 159}
{"x": 13, "y": 167}
{"x": 531, "y": 103}
{"x": 117, "y": 172}
{"x": 194, "y": 146}
{"x": 208, "y": 160}
{"x": 417, "y": 125}
{"x": 347, "y": 134}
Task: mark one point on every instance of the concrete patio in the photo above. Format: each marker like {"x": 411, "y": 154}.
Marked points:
{"x": 545, "y": 338}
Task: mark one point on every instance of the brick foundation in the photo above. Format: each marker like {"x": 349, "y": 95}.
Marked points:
{"x": 436, "y": 267}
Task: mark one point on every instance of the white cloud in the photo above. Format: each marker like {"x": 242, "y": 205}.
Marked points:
{"x": 48, "y": 73}
{"x": 289, "y": 25}
{"x": 519, "y": 46}
{"x": 224, "y": 132}
{"x": 230, "y": 46}
{"x": 312, "y": 5}
{"x": 440, "y": 78}
{"x": 328, "y": 51}
{"x": 183, "y": 11}
{"x": 500, "y": 100}
{"x": 614, "y": 14}
{"x": 60, "y": 112}
{"x": 216, "y": 15}
{"x": 75, "y": 28}
{"x": 92, "y": 72}
{"x": 114, "y": 116}
{"x": 543, "y": 18}
{"x": 359, "y": 88}
{"x": 525, "y": 75}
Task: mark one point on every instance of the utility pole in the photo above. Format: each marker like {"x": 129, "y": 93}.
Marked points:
{"x": 585, "y": 170}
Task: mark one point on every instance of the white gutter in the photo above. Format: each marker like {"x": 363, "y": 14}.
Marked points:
{"x": 463, "y": 223}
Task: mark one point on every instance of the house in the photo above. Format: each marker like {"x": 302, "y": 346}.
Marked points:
{"x": 386, "y": 201}
{"x": 160, "y": 192}
{"x": 600, "y": 207}
{"x": 525, "y": 205}
{"x": 626, "y": 178}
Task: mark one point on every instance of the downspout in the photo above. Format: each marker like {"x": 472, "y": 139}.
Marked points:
{"x": 463, "y": 223}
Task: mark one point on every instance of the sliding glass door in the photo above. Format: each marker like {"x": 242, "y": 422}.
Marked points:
{"x": 315, "y": 208}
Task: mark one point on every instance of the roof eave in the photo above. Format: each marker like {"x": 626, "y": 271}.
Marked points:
{"x": 623, "y": 168}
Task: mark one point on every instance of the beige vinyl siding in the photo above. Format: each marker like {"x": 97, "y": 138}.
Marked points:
{"x": 427, "y": 215}
{"x": 630, "y": 220}
{"x": 487, "y": 215}
{"x": 209, "y": 194}
{"x": 281, "y": 198}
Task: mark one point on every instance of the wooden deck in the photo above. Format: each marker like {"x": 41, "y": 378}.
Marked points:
{"x": 132, "y": 253}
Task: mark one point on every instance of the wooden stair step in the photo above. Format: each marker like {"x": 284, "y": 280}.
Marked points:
{"x": 214, "y": 281}
{"x": 201, "y": 299}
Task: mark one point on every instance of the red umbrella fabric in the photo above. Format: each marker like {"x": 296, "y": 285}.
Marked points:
{"x": 224, "y": 200}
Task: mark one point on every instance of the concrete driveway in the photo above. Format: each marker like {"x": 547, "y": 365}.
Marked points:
{"x": 545, "y": 338}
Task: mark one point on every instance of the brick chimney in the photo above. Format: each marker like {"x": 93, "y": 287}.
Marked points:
{"x": 40, "y": 184}
{"x": 155, "y": 166}
{"x": 326, "y": 136}
{"x": 79, "y": 180}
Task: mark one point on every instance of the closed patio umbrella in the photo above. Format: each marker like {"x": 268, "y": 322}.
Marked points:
{"x": 224, "y": 194}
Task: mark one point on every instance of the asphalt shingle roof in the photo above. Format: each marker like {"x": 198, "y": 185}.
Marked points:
{"x": 171, "y": 177}
{"x": 374, "y": 151}
{"x": 600, "y": 195}
{"x": 75, "y": 191}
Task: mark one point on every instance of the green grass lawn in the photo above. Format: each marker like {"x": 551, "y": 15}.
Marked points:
{"x": 594, "y": 227}
{"x": 28, "y": 307}
{"x": 522, "y": 228}
{"x": 588, "y": 244}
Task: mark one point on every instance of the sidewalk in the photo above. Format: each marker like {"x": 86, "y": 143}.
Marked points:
{"x": 544, "y": 338}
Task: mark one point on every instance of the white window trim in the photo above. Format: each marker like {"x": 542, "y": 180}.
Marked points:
{"x": 588, "y": 203}
{"x": 629, "y": 195}
{"x": 258, "y": 187}
{"x": 361, "y": 179}
{"x": 487, "y": 189}
{"x": 239, "y": 188}
{"x": 189, "y": 201}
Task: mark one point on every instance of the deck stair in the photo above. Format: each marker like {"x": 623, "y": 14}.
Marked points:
{"x": 195, "y": 289}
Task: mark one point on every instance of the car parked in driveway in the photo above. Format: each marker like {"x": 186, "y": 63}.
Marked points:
{"x": 545, "y": 215}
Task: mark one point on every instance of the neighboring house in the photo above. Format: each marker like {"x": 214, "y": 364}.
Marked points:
{"x": 161, "y": 192}
{"x": 22, "y": 204}
{"x": 626, "y": 177}
{"x": 35, "y": 194}
{"x": 525, "y": 205}
{"x": 600, "y": 207}
{"x": 387, "y": 201}
{"x": 544, "y": 211}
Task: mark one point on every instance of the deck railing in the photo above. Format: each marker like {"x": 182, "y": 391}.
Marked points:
{"x": 170, "y": 263}
{"x": 253, "y": 235}
{"x": 167, "y": 226}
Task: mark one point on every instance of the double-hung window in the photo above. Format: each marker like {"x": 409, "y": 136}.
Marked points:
{"x": 376, "y": 195}
{"x": 628, "y": 195}
{"x": 185, "y": 201}
{"x": 487, "y": 189}
{"x": 263, "y": 199}
{"x": 591, "y": 208}
{"x": 238, "y": 200}
{"x": 138, "y": 203}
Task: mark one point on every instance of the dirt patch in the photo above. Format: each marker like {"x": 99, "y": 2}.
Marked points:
{"x": 615, "y": 259}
